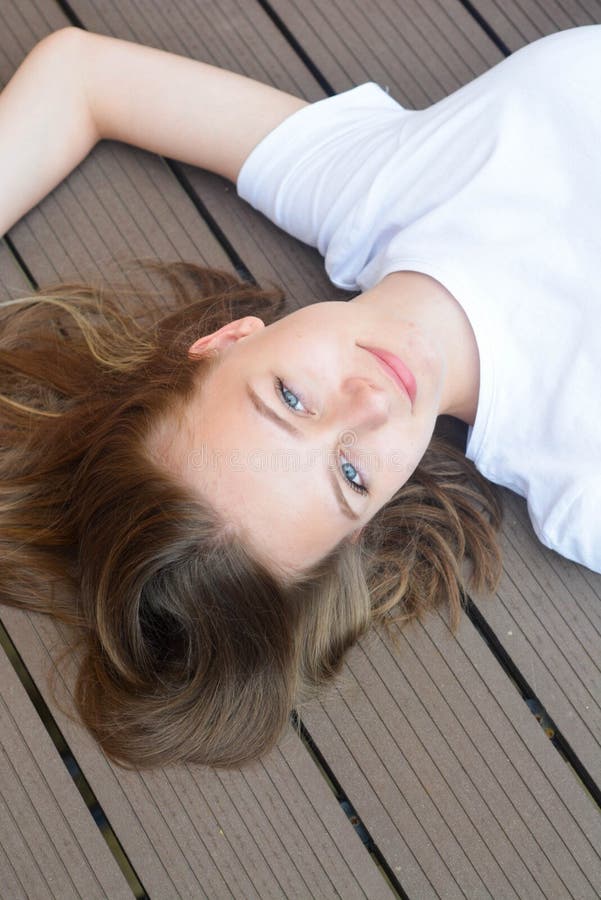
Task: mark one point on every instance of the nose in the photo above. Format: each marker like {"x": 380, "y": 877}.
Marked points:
{"x": 362, "y": 404}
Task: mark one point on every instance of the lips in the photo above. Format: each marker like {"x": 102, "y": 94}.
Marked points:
{"x": 396, "y": 369}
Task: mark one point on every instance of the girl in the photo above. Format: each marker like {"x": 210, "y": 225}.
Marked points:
{"x": 223, "y": 500}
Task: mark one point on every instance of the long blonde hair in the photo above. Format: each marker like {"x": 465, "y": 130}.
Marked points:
{"x": 190, "y": 649}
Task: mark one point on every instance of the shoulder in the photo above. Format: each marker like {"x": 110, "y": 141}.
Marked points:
{"x": 572, "y": 526}
{"x": 556, "y": 56}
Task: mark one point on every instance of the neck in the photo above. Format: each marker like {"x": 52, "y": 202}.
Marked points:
{"x": 425, "y": 302}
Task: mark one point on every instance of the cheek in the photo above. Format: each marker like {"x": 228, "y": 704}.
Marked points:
{"x": 400, "y": 466}
{"x": 400, "y": 461}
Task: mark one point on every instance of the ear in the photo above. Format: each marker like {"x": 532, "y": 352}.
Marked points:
{"x": 226, "y": 335}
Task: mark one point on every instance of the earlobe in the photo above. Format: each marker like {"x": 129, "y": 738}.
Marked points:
{"x": 224, "y": 336}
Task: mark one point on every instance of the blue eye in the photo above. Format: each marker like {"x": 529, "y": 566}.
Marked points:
{"x": 289, "y": 397}
{"x": 350, "y": 473}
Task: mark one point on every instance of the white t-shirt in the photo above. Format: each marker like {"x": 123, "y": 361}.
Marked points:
{"x": 495, "y": 191}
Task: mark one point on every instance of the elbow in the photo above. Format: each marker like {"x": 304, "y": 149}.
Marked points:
{"x": 68, "y": 40}
{"x": 62, "y": 56}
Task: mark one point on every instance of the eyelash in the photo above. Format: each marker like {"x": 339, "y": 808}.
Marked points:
{"x": 280, "y": 388}
{"x": 359, "y": 488}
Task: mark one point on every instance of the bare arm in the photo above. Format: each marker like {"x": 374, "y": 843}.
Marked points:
{"x": 76, "y": 88}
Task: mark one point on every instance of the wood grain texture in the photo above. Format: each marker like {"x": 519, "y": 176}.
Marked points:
{"x": 13, "y": 281}
{"x": 239, "y": 36}
{"x": 50, "y": 844}
{"x": 420, "y": 50}
{"x": 118, "y": 205}
{"x": 350, "y": 44}
{"x": 456, "y": 782}
{"x": 547, "y": 615}
{"x": 519, "y": 22}
{"x": 270, "y": 830}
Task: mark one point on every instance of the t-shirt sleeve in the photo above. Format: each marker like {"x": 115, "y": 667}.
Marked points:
{"x": 307, "y": 174}
{"x": 573, "y": 526}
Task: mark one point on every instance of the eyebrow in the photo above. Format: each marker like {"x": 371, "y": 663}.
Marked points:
{"x": 289, "y": 428}
{"x": 271, "y": 414}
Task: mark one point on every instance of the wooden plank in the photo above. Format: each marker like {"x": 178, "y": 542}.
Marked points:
{"x": 267, "y": 831}
{"x": 519, "y": 22}
{"x": 573, "y": 694}
{"x": 314, "y": 846}
{"x": 319, "y": 28}
{"x": 51, "y": 846}
{"x": 328, "y": 837}
{"x": 239, "y": 36}
{"x": 466, "y": 872}
{"x": 547, "y": 615}
{"x": 421, "y": 49}
{"x": 13, "y": 282}
{"x": 120, "y": 203}
{"x": 453, "y": 775}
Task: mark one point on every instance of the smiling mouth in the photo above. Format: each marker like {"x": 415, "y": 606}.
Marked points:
{"x": 396, "y": 369}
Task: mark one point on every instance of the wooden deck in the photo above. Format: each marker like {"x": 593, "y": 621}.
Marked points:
{"x": 465, "y": 766}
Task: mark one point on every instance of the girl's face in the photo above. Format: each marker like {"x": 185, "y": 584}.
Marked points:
{"x": 300, "y": 434}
